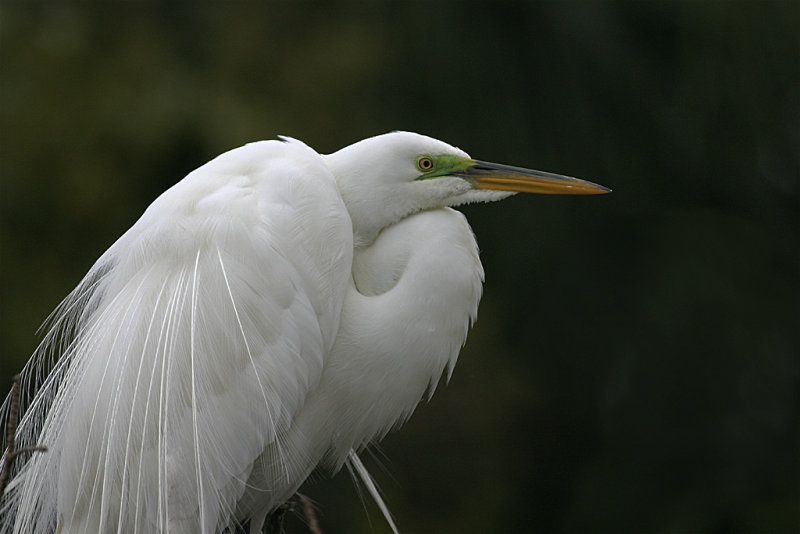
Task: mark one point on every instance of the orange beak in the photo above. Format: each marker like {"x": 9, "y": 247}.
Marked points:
{"x": 494, "y": 176}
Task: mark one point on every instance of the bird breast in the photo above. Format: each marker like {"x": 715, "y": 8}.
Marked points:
{"x": 415, "y": 293}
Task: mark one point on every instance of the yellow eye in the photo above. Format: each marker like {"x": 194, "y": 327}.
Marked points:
{"x": 425, "y": 164}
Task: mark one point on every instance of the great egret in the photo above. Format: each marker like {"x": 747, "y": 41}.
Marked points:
{"x": 275, "y": 310}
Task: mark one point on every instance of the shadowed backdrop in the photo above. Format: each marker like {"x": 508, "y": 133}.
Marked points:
{"x": 635, "y": 363}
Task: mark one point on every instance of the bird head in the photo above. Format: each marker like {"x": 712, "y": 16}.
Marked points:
{"x": 385, "y": 178}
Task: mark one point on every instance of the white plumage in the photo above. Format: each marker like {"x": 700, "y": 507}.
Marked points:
{"x": 274, "y": 310}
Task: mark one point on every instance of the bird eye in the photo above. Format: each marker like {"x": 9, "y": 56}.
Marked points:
{"x": 424, "y": 163}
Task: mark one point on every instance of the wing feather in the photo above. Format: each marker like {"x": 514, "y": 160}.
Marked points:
{"x": 187, "y": 350}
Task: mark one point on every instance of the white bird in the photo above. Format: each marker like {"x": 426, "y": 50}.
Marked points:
{"x": 275, "y": 310}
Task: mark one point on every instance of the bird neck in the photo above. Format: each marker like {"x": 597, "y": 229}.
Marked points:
{"x": 415, "y": 293}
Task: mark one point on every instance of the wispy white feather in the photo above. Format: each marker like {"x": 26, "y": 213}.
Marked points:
{"x": 358, "y": 469}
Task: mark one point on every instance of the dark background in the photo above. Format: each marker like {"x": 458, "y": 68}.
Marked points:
{"x": 635, "y": 364}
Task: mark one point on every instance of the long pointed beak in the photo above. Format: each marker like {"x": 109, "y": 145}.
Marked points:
{"x": 494, "y": 176}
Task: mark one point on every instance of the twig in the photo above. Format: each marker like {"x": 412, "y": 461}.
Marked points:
{"x": 274, "y": 521}
{"x": 311, "y": 515}
{"x": 11, "y": 434}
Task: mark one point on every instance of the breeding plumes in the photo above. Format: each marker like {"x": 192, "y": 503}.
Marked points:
{"x": 275, "y": 310}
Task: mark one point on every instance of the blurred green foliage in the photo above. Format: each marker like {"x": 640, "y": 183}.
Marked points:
{"x": 635, "y": 366}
